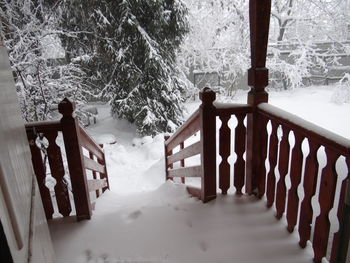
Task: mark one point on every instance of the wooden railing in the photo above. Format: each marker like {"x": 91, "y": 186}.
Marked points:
{"x": 76, "y": 142}
{"x": 306, "y": 179}
{"x": 314, "y": 198}
{"x": 206, "y": 147}
{"x": 204, "y": 121}
{"x": 290, "y": 179}
{"x": 225, "y": 112}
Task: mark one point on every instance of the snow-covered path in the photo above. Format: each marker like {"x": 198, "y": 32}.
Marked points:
{"x": 130, "y": 160}
{"x": 143, "y": 219}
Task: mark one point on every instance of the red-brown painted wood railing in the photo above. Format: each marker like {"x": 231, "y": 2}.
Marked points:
{"x": 283, "y": 163}
{"x": 225, "y": 113}
{"x": 204, "y": 121}
{"x": 76, "y": 142}
{"x": 206, "y": 147}
{"x": 307, "y": 181}
{"x": 291, "y": 163}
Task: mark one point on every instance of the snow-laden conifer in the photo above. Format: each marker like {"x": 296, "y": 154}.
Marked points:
{"x": 127, "y": 49}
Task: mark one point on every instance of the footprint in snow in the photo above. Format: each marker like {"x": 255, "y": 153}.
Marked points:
{"x": 177, "y": 208}
{"x": 132, "y": 216}
{"x": 189, "y": 223}
{"x": 203, "y": 246}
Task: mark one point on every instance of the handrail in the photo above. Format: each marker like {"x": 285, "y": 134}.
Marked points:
{"x": 90, "y": 144}
{"x": 232, "y": 108}
{"x": 306, "y": 128}
{"x": 42, "y": 126}
{"x": 186, "y": 130}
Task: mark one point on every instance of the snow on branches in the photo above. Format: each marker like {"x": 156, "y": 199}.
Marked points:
{"x": 131, "y": 46}
{"x": 41, "y": 74}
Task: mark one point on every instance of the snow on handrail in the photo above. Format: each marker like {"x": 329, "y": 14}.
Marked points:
{"x": 306, "y": 128}
{"x": 178, "y": 136}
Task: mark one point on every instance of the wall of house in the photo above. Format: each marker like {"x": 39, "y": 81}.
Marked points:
{"x": 21, "y": 212}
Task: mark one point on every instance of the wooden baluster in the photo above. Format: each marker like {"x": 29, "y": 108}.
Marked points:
{"x": 170, "y": 166}
{"x": 240, "y": 140}
{"x": 341, "y": 238}
{"x": 105, "y": 174}
{"x": 271, "y": 178}
{"x": 263, "y": 155}
{"x": 283, "y": 163}
{"x": 208, "y": 139}
{"x": 57, "y": 171}
{"x": 40, "y": 172}
{"x": 167, "y": 165}
{"x": 326, "y": 200}
{"x": 224, "y": 151}
{"x": 182, "y": 162}
{"x": 166, "y": 154}
{"x": 310, "y": 182}
{"x": 71, "y": 133}
{"x": 94, "y": 174}
{"x": 295, "y": 178}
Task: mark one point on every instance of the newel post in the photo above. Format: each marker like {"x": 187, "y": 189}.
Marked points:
{"x": 71, "y": 131}
{"x": 208, "y": 139}
{"x": 259, "y": 18}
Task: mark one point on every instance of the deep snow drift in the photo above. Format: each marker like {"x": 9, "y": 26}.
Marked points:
{"x": 143, "y": 219}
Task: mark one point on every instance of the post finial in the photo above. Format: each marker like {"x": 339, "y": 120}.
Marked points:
{"x": 207, "y": 96}
{"x": 66, "y": 107}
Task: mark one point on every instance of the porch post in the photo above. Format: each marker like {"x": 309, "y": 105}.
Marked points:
{"x": 259, "y": 18}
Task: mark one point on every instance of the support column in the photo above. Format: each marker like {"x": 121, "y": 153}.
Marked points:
{"x": 259, "y": 18}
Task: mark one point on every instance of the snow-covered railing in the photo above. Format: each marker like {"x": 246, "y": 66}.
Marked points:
{"x": 204, "y": 121}
{"x": 42, "y": 138}
{"x": 319, "y": 198}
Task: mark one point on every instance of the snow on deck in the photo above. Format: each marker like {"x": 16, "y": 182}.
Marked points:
{"x": 166, "y": 225}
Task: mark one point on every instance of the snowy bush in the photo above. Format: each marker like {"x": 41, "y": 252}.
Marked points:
{"x": 342, "y": 92}
{"x": 42, "y": 77}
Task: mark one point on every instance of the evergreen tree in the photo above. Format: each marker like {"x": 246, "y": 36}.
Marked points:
{"x": 127, "y": 48}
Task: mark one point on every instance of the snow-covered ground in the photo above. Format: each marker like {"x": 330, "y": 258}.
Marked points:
{"x": 143, "y": 219}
